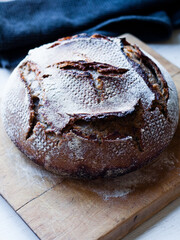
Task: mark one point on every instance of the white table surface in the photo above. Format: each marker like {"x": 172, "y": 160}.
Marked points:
{"x": 164, "y": 225}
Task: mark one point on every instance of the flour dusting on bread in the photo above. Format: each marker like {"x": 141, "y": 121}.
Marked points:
{"x": 90, "y": 107}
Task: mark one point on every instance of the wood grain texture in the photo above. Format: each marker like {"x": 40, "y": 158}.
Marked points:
{"x": 58, "y": 208}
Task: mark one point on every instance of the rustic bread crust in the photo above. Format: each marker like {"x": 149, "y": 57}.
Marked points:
{"x": 89, "y": 107}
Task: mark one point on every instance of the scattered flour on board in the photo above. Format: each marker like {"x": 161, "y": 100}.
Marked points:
{"x": 28, "y": 171}
{"x": 141, "y": 179}
{"x": 107, "y": 189}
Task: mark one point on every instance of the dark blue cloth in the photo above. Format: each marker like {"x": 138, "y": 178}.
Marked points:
{"x": 27, "y": 24}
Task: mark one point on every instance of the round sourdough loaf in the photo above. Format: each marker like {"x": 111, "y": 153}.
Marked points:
{"x": 89, "y": 107}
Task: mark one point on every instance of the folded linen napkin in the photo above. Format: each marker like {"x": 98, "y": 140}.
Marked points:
{"x": 30, "y": 23}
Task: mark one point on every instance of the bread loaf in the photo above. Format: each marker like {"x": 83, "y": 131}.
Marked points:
{"x": 89, "y": 107}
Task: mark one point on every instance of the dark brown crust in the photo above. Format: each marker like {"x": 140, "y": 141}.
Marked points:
{"x": 85, "y": 173}
{"x": 33, "y": 99}
{"x": 132, "y": 129}
{"x": 113, "y": 141}
{"x": 103, "y": 68}
{"x": 59, "y": 41}
{"x": 160, "y": 88}
{"x": 76, "y": 36}
{"x": 100, "y": 37}
{"x": 128, "y": 124}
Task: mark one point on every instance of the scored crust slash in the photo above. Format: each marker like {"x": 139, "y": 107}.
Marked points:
{"x": 88, "y": 107}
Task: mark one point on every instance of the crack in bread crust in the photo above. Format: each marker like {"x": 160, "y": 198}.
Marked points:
{"x": 102, "y": 68}
{"x": 88, "y": 107}
{"x": 99, "y": 127}
{"x": 90, "y": 126}
{"x": 34, "y": 100}
{"x": 79, "y": 123}
{"x": 112, "y": 126}
{"x": 87, "y": 69}
{"x": 151, "y": 74}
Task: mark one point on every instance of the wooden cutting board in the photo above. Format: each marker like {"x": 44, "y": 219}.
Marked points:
{"x": 57, "y": 208}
